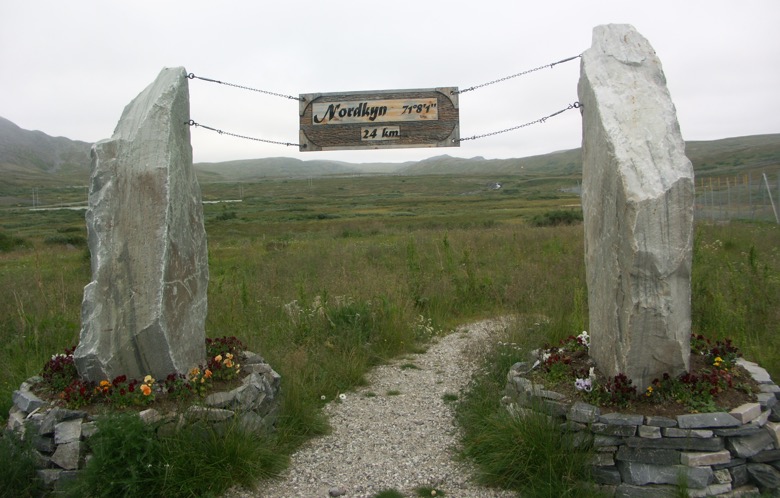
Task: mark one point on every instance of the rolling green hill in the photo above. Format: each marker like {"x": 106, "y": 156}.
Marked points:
{"x": 32, "y": 158}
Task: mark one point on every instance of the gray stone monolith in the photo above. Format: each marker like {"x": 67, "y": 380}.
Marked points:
{"x": 144, "y": 310}
{"x": 637, "y": 200}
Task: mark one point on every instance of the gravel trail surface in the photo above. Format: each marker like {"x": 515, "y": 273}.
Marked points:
{"x": 401, "y": 441}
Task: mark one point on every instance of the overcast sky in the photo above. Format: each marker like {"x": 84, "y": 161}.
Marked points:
{"x": 69, "y": 68}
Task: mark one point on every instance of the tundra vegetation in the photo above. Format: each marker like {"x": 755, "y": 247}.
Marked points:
{"x": 327, "y": 277}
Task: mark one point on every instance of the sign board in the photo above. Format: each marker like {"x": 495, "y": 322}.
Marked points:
{"x": 382, "y": 119}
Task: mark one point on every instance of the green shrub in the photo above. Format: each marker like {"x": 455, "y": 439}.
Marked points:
{"x": 226, "y": 215}
{"x": 202, "y": 460}
{"x": 131, "y": 459}
{"x": 389, "y": 493}
{"x": 9, "y": 243}
{"x": 69, "y": 239}
{"x": 557, "y": 218}
{"x": 127, "y": 460}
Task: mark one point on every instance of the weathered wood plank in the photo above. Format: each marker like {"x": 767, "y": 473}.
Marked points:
{"x": 380, "y": 119}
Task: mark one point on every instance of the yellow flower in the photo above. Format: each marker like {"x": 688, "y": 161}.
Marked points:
{"x": 218, "y": 358}
{"x": 229, "y": 356}
{"x": 149, "y": 380}
{"x": 146, "y": 390}
{"x": 207, "y": 374}
{"x": 649, "y": 391}
{"x": 195, "y": 372}
{"x": 228, "y": 363}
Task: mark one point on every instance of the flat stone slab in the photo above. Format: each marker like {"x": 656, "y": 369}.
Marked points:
{"x": 707, "y": 420}
{"x": 758, "y": 373}
{"x": 709, "y": 458}
{"x": 68, "y": 431}
{"x": 621, "y": 419}
{"x": 583, "y": 413}
{"x": 67, "y": 455}
{"x": 640, "y": 474}
{"x": 660, "y": 421}
{"x": 687, "y": 433}
{"x": 747, "y": 446}
{"x": 747, "y": 412}
{"x": 655, "y": 456}
{"x": 687, "y": 444}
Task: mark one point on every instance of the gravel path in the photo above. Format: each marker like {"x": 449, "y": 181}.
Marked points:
{"x": 404, "y": 441}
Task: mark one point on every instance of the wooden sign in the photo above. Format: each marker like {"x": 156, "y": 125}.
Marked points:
{"x": 381, "y": 119}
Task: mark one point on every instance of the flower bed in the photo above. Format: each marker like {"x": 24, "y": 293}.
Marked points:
{"x": 59, "y": 425}
{"x": 647, "y": 443}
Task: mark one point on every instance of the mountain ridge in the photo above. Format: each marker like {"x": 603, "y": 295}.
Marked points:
{"x": 33, "y": 157}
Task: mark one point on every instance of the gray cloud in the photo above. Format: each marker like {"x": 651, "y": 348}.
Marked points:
{"x": 69, "y": 69}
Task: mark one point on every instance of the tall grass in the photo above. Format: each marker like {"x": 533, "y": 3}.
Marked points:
{"x": 329, "y": 278}
{"x": 130, "y": 459}
{"x": 736, "y": 288}
{"x": 18, "y": 478}
{"x": 529, "y": 453}
{"x": 735, "y": 294}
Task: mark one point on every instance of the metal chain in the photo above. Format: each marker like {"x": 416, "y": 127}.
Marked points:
{"x": 575, "y": 105}
{"x": 518, "y": 74}
{"x": 192, "y": 76}
{"x": 540, "y": 120}
{"x": 221, "y": 132}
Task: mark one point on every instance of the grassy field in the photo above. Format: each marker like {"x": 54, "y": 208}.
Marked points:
{"x": 449, "y": 248}
{"x": 329, "y": 276}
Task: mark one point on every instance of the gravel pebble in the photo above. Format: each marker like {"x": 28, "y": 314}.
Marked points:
{"x": 402, "y": 441}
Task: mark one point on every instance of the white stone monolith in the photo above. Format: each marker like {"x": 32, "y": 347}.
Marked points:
{"x": 637, "y": 200}
{"x": 144, "y": 310}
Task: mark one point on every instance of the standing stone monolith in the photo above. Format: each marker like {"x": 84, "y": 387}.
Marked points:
{"x": 637, "y": 200}
{"x": 144, "y": 310}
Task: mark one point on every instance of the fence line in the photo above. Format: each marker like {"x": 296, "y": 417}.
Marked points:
{"x": 749, "y": 196}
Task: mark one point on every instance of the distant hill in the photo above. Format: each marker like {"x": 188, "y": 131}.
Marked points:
{"x": 556, "y": 163}
{"x": 254, "y": 169}
{"x": 32, "y": 158}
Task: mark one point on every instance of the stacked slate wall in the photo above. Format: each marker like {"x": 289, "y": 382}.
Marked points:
{"x": 635, "y": 455}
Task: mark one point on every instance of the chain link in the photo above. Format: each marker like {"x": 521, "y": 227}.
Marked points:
{"x": 192, "y": 76}
{"x": 575, "y": 105}
{"x": 221, "y": 132}
{"x": 518, "y": 74}
{"x": 540, "y": 120}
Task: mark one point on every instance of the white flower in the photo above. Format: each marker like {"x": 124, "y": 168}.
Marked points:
{"x": 583, "y": 385}
{"x": 342, "y": 397}
{"x": 592, "y": 373}
{"x": 584, "y": 339}
{"x": 545, "y": 356}
{"x": 322, "y": 397}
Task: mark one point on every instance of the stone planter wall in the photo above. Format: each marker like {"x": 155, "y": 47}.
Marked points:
{"x": 60, "y": 436}
{"x": 636, "y": 456}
